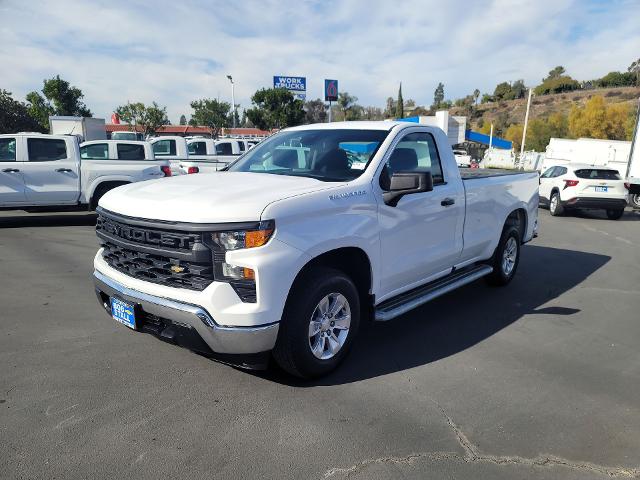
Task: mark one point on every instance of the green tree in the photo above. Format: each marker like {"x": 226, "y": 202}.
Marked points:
{"x": 390, "y": 109}
{"x": 518, "y": 89}
{"x": 315, "y": 111}
{"x": 275, "y": 108}
{"x": 58, "y": 97}
{"x": 555, "y": 73}
{"x": 486, "y": 98}
{"x": 476, "y": 95}
{"x": 617, "y": 79}
{"x": 634, "y": 68}
{"x": 348, "y": 106}
{"x": 438, "y": 96}
{"x": 149, "y": 119}
{"x": 14, "y": 116}
{"x": 211, "y": 113}
{"x": 503, "y": 92}
{"x": 400, "y": 104}
{"x": 183, "y": 120}
{"x": 559, "y": 84}
{"x": 410, "y": 103}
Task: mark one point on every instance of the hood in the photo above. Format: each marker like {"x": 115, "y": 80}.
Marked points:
{"x": 207, "y": 198}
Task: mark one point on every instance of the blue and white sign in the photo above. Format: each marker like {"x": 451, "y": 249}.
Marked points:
{"x": 296, "y": 85}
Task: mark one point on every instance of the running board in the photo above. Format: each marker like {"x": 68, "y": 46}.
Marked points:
{"x": 407, "y": 301}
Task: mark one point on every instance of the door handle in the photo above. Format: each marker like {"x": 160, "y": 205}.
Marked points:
{"x": 64, "y": 170}
{"x": 447, "y": 202}
{"x": 11, "y": 170}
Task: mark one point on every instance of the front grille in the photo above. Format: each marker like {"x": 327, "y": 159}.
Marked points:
{"x": 158, "y": 268}
{"x": 167, "y": 257}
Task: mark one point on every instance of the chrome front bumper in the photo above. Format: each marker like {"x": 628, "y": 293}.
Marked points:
{"x": 220, "y": 339}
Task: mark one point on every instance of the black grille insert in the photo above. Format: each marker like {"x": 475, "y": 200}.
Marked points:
{"x": 172, "y": 258}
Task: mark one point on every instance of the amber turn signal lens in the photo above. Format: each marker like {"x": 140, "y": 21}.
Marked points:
{"x": 248, "y": 274}
{"x": 257, "y": 238}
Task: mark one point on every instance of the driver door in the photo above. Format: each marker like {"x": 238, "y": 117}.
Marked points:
{"x": 421, "y": 237}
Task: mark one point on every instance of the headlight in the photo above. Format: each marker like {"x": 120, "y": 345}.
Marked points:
{"x": 235, "y": 240}
{"x": 242, "y": 279}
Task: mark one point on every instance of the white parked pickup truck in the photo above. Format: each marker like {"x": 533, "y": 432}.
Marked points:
{"x": 38, "y": 170}
{"x": 288, "y": 251}
{"x": 207, "y": 155}
{"x": 171, "y": 148}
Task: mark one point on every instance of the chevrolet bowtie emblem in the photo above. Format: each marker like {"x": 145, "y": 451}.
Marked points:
{"x": 177, "y": 269}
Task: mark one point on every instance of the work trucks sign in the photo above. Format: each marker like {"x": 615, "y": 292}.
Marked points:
{"x": 296, "y": 85}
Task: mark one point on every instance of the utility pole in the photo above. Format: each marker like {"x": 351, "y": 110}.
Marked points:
{"x": 491, "y": 137}
{"x": 524, "y": 130}
{"x": 233, "y": 101}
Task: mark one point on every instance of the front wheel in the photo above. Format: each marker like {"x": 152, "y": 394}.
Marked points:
{"x": 506, "y": 257}
{"x": 319, "y": 323}
{"x": 615, "y": 214}
{"x": 634, "y": 200}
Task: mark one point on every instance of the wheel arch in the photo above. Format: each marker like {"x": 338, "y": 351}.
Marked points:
{"x": 520, "y": 219}
{"x": 103, "y": 186}
{"x": 353, "y": 261}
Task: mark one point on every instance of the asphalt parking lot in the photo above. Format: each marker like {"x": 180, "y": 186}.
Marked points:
{"x": 538, "y": 380}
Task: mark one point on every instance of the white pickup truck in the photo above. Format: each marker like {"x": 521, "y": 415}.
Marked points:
{"x": 39, "y": 170}
{"x": 207, "y": 155}
{"x": 292, "y": 247}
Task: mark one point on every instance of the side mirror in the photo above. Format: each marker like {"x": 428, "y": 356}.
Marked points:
{"x": 406, "y": 183}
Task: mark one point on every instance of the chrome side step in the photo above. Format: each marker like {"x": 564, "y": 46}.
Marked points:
{"x": 407, "y": 301}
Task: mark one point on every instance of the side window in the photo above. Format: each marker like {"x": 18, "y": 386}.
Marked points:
{"x": 197, "y": 148}
{"x": 416, "y": 152}
{"x": 224, "y": 149}
{"x": 7, "y": 149}
{"x": 164, "y": 147}
{"x": 559, "y": 171}
{"x": 241, "y": 146}
{"x": 96, "y": 151}
{"x": 130, "y": 151}
{"x": 548, "y": 173}
{"x": 46, "y": 149}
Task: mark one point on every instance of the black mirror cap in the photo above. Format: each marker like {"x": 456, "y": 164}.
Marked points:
{"x": 406, "y": 183}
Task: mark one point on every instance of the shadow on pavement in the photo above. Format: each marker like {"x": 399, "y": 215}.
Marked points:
{"x": 54, "y": 220}
{"x": 629, "y": 215}
{"x": 460, "y": 319}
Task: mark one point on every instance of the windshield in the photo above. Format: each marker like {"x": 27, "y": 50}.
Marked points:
{"x": 327, "y": 155}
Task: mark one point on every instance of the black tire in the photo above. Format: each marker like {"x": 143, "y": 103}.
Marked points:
{"x": 615, "y": 214}
{"x": 502, "y": 276}
{"x": 634, "y": 200}
{"x": 100, "y": 191}
{"x": 555, "y": 206}
{"x": 293, "y": 351}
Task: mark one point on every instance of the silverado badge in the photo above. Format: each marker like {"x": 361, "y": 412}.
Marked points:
{"x": 177, "y": 269}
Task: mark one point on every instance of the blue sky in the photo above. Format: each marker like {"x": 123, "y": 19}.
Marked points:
{"x": 174, "y": 52}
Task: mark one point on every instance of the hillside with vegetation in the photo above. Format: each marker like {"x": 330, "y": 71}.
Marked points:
{"x": 598, "y": 113}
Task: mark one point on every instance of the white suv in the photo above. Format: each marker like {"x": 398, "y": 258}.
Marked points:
{"x": 568, "y": 187}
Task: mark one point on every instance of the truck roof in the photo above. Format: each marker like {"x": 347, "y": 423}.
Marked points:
{"x": 133, "y": 142}
{"x": 357, "y": 125}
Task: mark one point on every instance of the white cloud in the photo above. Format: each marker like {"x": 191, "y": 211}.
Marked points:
{"x": 174, "y": 52}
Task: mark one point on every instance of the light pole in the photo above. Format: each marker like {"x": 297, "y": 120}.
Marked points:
{"x": 233, "y": 101}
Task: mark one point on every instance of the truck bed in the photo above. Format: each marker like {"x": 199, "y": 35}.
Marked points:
{"x": 473, "y": 173}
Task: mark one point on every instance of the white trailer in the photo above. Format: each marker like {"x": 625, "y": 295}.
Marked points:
{"x": 633, "y": 168}
{"x": 86, "y": 128}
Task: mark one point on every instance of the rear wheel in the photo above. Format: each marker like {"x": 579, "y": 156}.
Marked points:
{"x": 555, "y": 207}
{"x": 615, "y": 214}
{"x": 634, "y": 200}
{"x": 506, "y": 257}
{"x": 319, "y": 323}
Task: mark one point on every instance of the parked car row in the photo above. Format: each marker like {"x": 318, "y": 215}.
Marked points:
{"x": 41, "y": 170}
